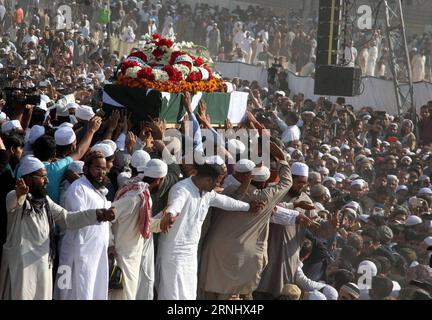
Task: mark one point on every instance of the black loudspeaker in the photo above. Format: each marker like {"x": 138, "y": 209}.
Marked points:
{"x": 330, "y": 17}
{"x": 338, "y": 81}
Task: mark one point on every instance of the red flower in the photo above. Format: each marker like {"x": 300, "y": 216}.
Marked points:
{"x": 173, "y": 74}
{"x": 129, "y": 64}
{"x": 139, "y": 54}
{"x": 146, "y": 73}
{"x": 158, "y": 53}
{"x": 194, "y": 76}
{"x": 165, "y": 42}
{"x": 156, "y": 36}
{"x": 198, "y": 61}
{"x": 174, "y": 56}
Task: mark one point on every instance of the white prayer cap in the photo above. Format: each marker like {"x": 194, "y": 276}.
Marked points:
{"x": 329, "y": 179}
{"x": 3, "y": 116}
{"x": 36, "y": 132}
{"x": 236, "y": 146}
{"x": 84, "y": 113}
{"x": 61, "y": 110}
{"x": 345, "y": 147}
{"x": 367, "y": 151}
{"x": 139, "y": 160}
{"x": 353, "y": 177}
{"x": 413, "y": 221}
{"x": 335, "y": 149}
{"x": 214, "y": 160}
{"x": 324, "y": 170}
{"x": 72, "y": 105}
{"x": 111, "y": 143}
{"x": 367, "y": 265}
{"x": 8, "y": 126}
{"x": 357, "y": 183}
{"x": 244, "y": 165}
{"x": 325, "y": 146}
{"x": 425, "y": 191}
{"x": 428, "y": 241}
{"x": 29, "y": 165}
{"x": 333, "y": 158}
{"x": 106, "y": 149}
{"x": 353, "y": 204}
{"x": 392, "y": 177}
{"x": 338, "y": 179}
{"x": 330, "y": 293}
{"x": 340, "y": 176}
{"x": 359, "y": 157}
{"x": 401, "y": 187}
{"x": 316, "y": 295}
{"x": 122, "y": 178}
{"x": 386, "y": 143}
{"x": 156, "y": 168}
{"x": 351, "y": 211}
{"x": 64, "y": 136}
{"x": 261, "y": 174}
{"x": 300, "y": 169}
{"x": 77, "y": 167}
{"x": 281, "y": 93}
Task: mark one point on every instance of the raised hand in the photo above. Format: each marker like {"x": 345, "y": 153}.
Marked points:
{"x": 114, "y": 120}
{"x": 277, "y": 152}
{"x": 106, "y": 214}
{"x": 95, "y": 123}
{"x": 21, "y": 188}
{"x": 305, "y": 205}
{"x": 131, "y": 140}
{"x": 187, "y": 101}
{"x": 306, "y": 222}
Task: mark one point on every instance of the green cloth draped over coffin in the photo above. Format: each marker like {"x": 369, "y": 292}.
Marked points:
{"x": 143, "y": 103}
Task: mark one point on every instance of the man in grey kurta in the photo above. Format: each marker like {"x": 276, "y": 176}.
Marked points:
{"x": 285, "y": 241}
{"x": 235, "y": 249}
{"x": 27, "y": 254}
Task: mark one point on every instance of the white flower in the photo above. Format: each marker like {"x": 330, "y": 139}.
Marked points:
{"x": 133, "y": 72}
{"x": 183, "y": 69}
{"x": 160, "y": 75}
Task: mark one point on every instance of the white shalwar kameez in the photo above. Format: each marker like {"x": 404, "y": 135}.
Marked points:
{"x": 177, "y": 261}
{"x": 129, "y": 244}
{"x": 85, "y": 250}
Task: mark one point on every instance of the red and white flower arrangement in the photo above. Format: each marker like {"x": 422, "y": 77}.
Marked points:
{"x": 163, "y": 64}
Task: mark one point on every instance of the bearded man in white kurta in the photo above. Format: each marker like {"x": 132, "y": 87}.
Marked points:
{"x": 188, "y": 204}
{"x": 85, "y": 250}
{"x": 28, "y": 253}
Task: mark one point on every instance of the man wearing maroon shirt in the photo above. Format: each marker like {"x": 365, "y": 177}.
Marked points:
{"x": 425, "y": 124}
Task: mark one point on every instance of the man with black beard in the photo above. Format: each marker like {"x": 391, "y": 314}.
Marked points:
{"x": 10, "y": 154}
{"x": 29, "y": 251}
{"x": 85, "y": 250}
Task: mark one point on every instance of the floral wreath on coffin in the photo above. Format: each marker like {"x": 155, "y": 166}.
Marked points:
{"x": 165, "y": 66}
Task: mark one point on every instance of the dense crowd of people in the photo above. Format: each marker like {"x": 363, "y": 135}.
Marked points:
{"x": 96, "y": 206}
